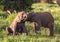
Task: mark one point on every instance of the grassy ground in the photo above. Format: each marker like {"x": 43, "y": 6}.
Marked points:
{"x": 54, "y": 9}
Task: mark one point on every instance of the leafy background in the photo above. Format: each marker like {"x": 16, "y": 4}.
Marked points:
{"x": 5, "y": 20}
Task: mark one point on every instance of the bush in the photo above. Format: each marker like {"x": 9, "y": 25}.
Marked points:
{"x": 10, "y": 18}
{"x": 19, "y": 5}
{"x": 32, "y": 37}
{"x": 6, "y": 21}
{"x": 3, "y": 15}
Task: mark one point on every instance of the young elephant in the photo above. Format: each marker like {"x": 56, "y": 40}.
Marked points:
{"x": 21, "y": 28}
{"x": 41, "y": 19}
{"x": 13, "y": 27}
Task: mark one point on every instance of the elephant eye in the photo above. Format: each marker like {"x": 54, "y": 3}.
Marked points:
{"x": 24, "y": 16}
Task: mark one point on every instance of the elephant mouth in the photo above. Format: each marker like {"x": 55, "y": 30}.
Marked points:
{"x": 22, "y": 21}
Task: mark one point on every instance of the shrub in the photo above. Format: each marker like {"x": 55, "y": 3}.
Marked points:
{"x": 10, "y": 18}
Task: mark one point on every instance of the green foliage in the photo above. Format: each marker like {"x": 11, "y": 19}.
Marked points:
{"x": 3, "y": 24}
{"x": 29, "y": 2}
{"x": 3, "y": 14}
{"x": 1, "y": 7}
{"x": 25, "y": 5}
{"x": 10, "y": 18}
{"x": 38, "y": 7}
{"x": 5, "y": 20}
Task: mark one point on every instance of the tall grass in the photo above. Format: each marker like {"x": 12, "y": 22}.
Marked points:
{"x": 54, "y": 9}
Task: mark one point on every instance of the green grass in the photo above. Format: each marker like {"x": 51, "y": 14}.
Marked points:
{"x": 5, "y": 20}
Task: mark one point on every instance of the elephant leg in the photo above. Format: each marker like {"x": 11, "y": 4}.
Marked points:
{"x": 21, "y": 30}
{"x": 14, "y": 32}
{"x": 8, "y": 30}
{"x": 25, "y": 30}
{"x": 36, "y": 26}
{"x": 50, "y": 26}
